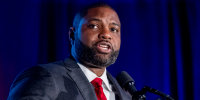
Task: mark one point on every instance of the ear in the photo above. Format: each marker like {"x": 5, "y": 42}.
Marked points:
{"x": 71, "y": 35}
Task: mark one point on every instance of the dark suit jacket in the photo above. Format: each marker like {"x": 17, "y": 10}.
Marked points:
{"x": 62, "y": 80}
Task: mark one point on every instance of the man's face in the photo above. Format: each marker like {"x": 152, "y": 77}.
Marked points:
{"x": 98, "y": 38}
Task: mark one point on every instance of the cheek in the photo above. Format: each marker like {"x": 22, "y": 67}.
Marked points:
{"x": 87, "y": 37}
{"x": 117, "y": 43}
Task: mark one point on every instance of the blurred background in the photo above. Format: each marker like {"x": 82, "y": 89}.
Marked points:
{"x": 160, "y": 41}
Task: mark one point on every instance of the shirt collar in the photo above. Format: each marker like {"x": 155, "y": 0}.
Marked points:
{"x": 91, "y": 76}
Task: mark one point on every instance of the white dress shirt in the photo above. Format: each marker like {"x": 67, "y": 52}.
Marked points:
{"x": 107, "y": 87}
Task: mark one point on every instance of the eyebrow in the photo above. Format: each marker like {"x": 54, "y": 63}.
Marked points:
{"x": 96, "y": 19}
{"x": 116, "y": 24}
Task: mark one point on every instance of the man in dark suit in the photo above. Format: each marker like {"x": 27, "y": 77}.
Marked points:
{"x": 95, "y": 42}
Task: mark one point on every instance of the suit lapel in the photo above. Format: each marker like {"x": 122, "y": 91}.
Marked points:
{"x": 120, "y": 94}
{"x": 80, "y": 79}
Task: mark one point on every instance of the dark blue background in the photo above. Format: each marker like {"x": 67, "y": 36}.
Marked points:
{"x": 160, "y": 41}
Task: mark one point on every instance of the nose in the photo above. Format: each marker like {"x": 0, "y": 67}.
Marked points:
{"x": 105, "y": 34}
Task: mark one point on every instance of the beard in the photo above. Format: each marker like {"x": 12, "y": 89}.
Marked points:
{"x": 92, "y": 58}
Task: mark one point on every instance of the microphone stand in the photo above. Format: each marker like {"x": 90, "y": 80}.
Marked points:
{"x": 140, "y": 95}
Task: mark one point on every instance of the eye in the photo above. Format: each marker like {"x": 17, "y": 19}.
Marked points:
{"x": 114, "y": 30}
{"x": 93, "y": 26}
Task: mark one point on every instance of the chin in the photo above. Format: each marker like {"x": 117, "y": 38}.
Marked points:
{"x": 104, "y": 57}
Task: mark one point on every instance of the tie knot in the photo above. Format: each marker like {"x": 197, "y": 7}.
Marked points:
{"x": 97, "y": 82}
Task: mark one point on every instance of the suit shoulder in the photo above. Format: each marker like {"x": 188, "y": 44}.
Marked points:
{"x": 33, "y": 81}
{"x": 57, "y": 67}
{"x": 61, "y": 66}
{"x": 48, "y": 79}
{"x": 32, "y": 72}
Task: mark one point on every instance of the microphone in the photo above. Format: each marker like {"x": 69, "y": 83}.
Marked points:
{"x": 127, "y": 83}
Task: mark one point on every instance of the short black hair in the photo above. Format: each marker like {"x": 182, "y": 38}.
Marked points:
{"x": 83, "y": 12}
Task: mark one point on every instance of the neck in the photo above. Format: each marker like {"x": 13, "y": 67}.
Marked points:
{"x": 98, "y": 71}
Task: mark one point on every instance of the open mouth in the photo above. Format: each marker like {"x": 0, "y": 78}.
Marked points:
{"x": 104, "y": 47}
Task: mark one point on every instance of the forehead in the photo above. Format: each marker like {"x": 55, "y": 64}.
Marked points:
{"x": 103, "y": 13}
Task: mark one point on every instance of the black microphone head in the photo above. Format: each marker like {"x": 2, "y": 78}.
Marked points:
{"x": 123, "y": 78}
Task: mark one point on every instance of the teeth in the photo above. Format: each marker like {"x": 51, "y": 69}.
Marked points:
{"x": 104, "y": 46}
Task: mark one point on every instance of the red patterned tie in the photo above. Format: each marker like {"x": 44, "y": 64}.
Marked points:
{"x": 97, "y": 82}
